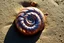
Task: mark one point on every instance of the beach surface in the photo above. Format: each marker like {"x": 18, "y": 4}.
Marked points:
{"x": 52, "y": 33}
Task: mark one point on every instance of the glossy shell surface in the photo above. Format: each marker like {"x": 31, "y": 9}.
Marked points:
{"x": 30, "y": 20}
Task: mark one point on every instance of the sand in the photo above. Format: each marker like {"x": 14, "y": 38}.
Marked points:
{"x": 54, "y": 29}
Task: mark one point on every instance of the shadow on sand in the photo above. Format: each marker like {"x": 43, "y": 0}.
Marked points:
{"x": 13, "y": 36}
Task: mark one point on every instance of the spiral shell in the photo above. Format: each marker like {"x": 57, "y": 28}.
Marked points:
{"x": 30, "y": 20}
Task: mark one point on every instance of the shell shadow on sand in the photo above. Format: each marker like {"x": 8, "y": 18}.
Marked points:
{"x": 13, "y": 36}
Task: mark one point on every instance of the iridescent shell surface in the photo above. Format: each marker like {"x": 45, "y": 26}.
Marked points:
{"x": 30, "y": 20}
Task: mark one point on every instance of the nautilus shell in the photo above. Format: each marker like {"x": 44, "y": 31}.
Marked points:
{"x": 30, "y": 20}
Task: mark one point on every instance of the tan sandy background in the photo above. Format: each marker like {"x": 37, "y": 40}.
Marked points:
{"x": 53, "y": 32}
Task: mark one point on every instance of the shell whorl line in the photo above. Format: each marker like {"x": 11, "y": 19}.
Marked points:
{"x": 30, "y": 20}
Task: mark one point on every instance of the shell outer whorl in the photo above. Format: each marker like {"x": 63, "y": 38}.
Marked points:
{"x": 30, "y": 19}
